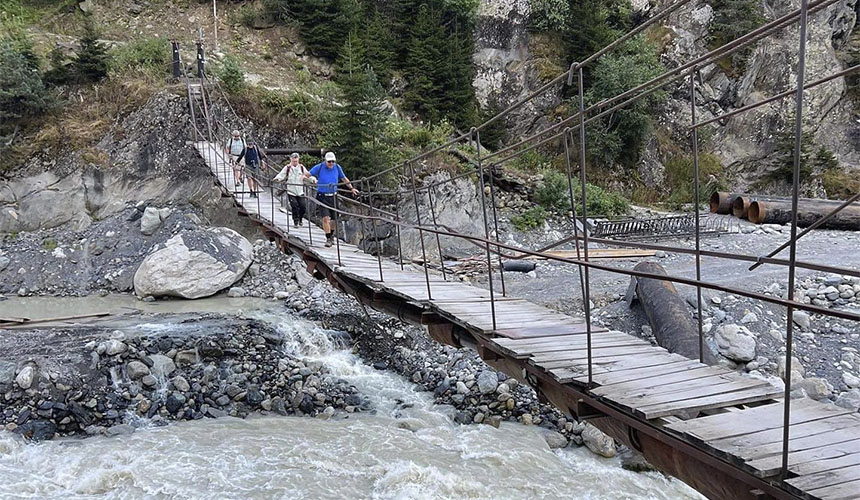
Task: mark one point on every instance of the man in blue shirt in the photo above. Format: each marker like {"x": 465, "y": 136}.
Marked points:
{"x": 327, "y": 175}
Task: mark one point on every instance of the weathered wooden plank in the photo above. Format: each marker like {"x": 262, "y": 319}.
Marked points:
{"x": 529, "y": 343}
{"x": 825, "y": 438}
{"x": 651, "y": 360}
{"x": 615, "y": 377}
{"x": 571, "y": 355}
{"x": 844, "y": 491}
{"x": 752, "y": 420}
{"x": 706, "y": 403}
{"x": 826, "y": 464}
{"x": 771, "y": 465}
{"x": 654, "y": 383}
{"x": 561, "y": 346}
{"x": 683, "y": 391}
{"x": 747, "y": 442}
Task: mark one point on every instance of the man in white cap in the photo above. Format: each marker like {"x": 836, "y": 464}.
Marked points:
{"x": 294, "y": 173}
{"x": 327, "y": 175}
{"x": 236, "y": 150}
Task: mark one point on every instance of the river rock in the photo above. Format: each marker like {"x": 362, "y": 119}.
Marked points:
{"x": 801, "y": 319}
{"x": 598, "y": 442}
{"x": 194, "y": 264}
{"x": 119, "y": 430}
{"x": 554, "y": 439}
{"x": 174, "y": 402}
{"x": 851, "y": 380}
{"x": 487, "y": 382}
{"x": 37, "y": 430}
{"x": 162, "y": 366}
{"x": 187, "y": 357}
{"x": 180, "y": 383}
{"x": 849, "y": 399}
{"x": 735, "y": 343}
{"x": 150, "y": 221}
{"x": 816, "y": 388}
{"x": 114, "y": 347}
{"x": 136, "y": 370}
{"x": 25, "y": 377}
{"x": 797, "y": 369}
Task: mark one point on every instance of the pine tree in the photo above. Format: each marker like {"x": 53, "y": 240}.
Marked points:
{"x": 380, "y": 53}
{"x": 91, "y": 61}
{"x": 359, "y": 122}
{"x": 457, "y": 74}
{"x": 322, "y": 23}
{"x": 22, "y": 93}
{"x": 423, "y": 62}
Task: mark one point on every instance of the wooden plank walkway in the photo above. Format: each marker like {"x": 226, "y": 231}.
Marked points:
{"x": 630, "y": 374}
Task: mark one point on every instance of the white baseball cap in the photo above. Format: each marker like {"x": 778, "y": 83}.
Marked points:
{"x": 330, "y": 156}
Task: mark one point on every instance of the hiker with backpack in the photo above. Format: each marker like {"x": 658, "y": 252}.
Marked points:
{"x": 252, "y": 157}
{"x": 294, "y": 174}
{"x": 235, "y": 149}
{"x": 326, "y": 175}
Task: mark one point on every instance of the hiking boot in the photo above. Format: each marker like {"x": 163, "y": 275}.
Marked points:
{"x": 329, "y": 242}
{"x": 301, "y": 223}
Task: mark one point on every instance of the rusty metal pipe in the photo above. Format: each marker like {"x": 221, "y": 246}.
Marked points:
{"x": 808, "y": 212}
{"x": 741, "y": 204}
{"x": 667, "y": 314}
{"x": 721, "y": 202}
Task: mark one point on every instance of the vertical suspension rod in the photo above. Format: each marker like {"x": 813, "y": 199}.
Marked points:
{"x": 420, "y": 231}
{"x": 582, "y": 177}
{"x": 695, "y": 148}
{"x": 477, "y": 137}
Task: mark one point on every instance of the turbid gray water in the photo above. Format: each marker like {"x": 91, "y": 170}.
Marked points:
{"x": 409, "y": 448}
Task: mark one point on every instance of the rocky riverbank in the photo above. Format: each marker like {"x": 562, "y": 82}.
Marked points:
{"x": 147, "y": 370}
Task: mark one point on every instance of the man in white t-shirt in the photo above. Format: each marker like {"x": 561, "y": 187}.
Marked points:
{"x": 294, "y": 175}
{"x": 236, "y": 150}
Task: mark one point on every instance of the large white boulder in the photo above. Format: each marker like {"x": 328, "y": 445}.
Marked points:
{"x": 194, "y": 264}
{"x": 736, "y": 343}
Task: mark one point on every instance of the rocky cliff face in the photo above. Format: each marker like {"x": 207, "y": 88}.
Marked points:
{"x": 145, "y": 158}
{"x": 506, "y": 68}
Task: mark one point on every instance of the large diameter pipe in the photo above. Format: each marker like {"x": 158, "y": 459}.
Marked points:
{"x": 779, "y": 212}
{"x": 667, "y": 313}
{"x": 741, "y": 204}
{"x": 721, "y": 202}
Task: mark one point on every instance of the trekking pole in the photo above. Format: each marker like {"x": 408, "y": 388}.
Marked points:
{"x": 336, "y": 221}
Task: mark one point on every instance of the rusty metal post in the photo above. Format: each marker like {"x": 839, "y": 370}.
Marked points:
{"x": 695, "y": 148}
{"x": 376, "y": 234}
{"x": 792, "y": 256}
{"x": 335, "y": 221}
{"x": 397, "y": 226}
{"x": 176, "y": 63}
{"x": 420, "y": 231}
{"x": 496, "y": 225}
{"x": 436, "y": 226}
{"x": 587, "y": 301}
{"x": 477, "y": 137}
{"x": 568, "y": 139}
{"x": 201, "y": 61}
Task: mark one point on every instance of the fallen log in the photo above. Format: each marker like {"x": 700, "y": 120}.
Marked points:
{"x": 27, "y": 322}
{"x": 667, "y": 313}
{"x": 519, "y": 266}
{"x": 808, "y": 212}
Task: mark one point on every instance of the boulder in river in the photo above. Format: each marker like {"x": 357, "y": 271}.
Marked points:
{"x": 194, "y": 264}
{"x": 598, "y": 442}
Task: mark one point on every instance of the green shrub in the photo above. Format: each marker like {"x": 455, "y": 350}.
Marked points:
{"x": 548, "y": 15}
{"x": 679, "y": 171}
{"x": 732, "y": 19}
{"x": 419, "y": 137}
{"x": 231, "y": 74}
{"x": 554, "y": 194}
{"x": 531, "y": 161}
{"x": 532, "y": 218}
{"x": 617, "y": 138}
{"x": 152, "y": 55}
{"x": 22, "y": 92}
{"x": 840, "y": 183}
{"x": 49, "y": 244}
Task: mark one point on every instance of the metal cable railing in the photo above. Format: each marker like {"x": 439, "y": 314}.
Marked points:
{"x": 578, "y": 121}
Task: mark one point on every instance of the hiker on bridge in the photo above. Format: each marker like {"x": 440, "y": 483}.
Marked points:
{"x": 327, "y": 175}
{"x": 236, "y": 149}
{"x": 294, "y": 173}
{"x": 251, "y": 155}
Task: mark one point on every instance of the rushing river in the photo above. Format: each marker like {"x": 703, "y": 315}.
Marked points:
{"x": 409, "y": 448}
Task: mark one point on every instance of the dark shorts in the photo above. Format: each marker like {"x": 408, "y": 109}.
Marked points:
{"x": 253, "y": 169}
{"x": 326, "y": 201}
